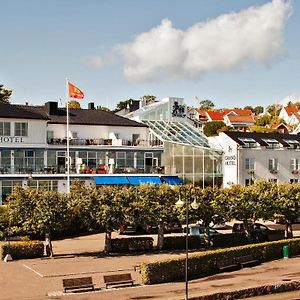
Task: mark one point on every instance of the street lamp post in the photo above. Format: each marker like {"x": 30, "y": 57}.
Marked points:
{"x": 194, "y": 205}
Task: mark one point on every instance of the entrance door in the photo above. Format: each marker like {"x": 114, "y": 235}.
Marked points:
{"x": 61, "y": 162}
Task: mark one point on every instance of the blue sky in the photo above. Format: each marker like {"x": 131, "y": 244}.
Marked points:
{"x": 232, "y": 52}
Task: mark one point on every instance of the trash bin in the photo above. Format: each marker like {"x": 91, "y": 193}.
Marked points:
{"x": 285, "y": 251}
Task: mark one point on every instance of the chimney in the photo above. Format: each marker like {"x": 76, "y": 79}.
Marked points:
{"x": 51, "y": 107}
{"x": 91, "y": 105}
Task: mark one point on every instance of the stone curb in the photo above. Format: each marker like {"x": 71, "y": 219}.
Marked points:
{"x": 252, "y": 292}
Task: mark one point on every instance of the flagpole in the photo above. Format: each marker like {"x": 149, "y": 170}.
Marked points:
{"x": 68, "y": 139}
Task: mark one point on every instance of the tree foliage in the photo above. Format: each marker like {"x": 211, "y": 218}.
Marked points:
{"x": 4, "y": 94}
{"x": 206, "y": 104}
{"x": 212, "y": 128}
{"x": 74, "y": 104}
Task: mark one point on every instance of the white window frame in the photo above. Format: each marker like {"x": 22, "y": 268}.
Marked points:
{"x": 273, "y": 164}
{"x": 295, "y": 164}
{"x": 249, "y": 163}
{"x": 5, "y": 128}
{"x": 22, "y": 130}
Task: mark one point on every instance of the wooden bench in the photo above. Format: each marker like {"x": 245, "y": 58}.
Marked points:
{"x": 226, "y": 265}
{"x": 247, "y": 261}
{"x": 118, "y": 279}
{"x": 78, "y": 283}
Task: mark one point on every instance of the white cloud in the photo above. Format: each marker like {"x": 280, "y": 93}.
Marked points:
{"x": 226, "y": 42}
{"x": 95, "y": 62}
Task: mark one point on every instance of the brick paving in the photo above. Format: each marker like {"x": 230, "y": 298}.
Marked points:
{"x": 42, "y": 278}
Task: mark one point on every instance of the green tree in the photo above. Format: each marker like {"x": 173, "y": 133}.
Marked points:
{"x": 263, "y": 120}
{"x": 102, "y": 108}
{"x": 258, "y": 110}
{"x": 288, "y": 205}
{"x": 4, "y": 94}
{"x": 206, "y": 104}
{"x": 38, "y": 212}
{"x": 148, "y": 99}
{"x": 249, "y": 107}
{"x": 124, "y": 104}
{"x": 274, "y": 109}
{"x": 212, "y": 128}
{"x": 74, "y": 104}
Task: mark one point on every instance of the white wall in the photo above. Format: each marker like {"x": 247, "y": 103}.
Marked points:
{"x": 98, "y": 132}
{"x": 230, "y": 166}
{"x": 36, "y": 133}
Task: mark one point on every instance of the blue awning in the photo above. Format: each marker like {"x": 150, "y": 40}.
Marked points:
{"x": 107, "y": 180}
{"x": 173, "y": 180}
{"x": 136, "y": 180}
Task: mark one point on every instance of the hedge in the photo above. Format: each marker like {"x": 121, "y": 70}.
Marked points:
{"x": 132, "y": 244}
{"x": 178, "y": 242}
{"x": 23, "y": 249}
{"x": 203, "y": 263}
{"x": 229, "y": 240}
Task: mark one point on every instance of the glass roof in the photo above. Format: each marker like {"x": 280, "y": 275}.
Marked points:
{"x": 178, "y": 132}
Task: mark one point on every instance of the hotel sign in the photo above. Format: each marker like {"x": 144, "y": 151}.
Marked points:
{"x": 230, "y": 160}
{"x": 11, "y": 139}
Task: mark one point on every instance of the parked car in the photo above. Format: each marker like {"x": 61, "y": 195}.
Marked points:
{"x": 131, "y": 229}
{"x": 259, "y": 232}
{"x": 173, "y": 226}
{"x": 149, "y": 227}
{"x": 198, "y": 230}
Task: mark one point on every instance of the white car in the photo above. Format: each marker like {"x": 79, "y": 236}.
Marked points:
{"x": 198, "y": 230}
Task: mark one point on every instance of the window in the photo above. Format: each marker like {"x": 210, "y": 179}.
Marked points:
{"x": 135, "y": 139}
{"x": 21, "y": 129}
{"x": 271, "y": 143}
{"x": 249, "y": 163}
{"x": 273, "y": 164}
{"x": 292, "y": 144}
{"x": 294, "y": 164}
{"x": 273, "y": 180}
{"x": 248, "y": 143}
{"x": 50, "y": 134}
{"x": 74, "y": 134}
{"x": 4, "y": 128}
{"x": 249, "y": 181}
{"x": 121, "y": 159}
{"x": 294, "y": 180}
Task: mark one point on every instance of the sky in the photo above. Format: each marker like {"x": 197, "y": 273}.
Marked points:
{"x": 233, "y": 52}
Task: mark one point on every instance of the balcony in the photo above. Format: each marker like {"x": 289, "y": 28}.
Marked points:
{"x": 101, "y": 169}
{"x": 105, "y": 142}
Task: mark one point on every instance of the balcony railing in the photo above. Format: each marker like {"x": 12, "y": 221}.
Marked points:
{"x": 101, "y": 169}
{"x": 105, "y": 142}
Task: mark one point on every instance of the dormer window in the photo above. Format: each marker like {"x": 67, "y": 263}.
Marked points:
{"x": 248, "y": 143}
{"x": 271, "y": 143}
{"x": 292, "y": 144}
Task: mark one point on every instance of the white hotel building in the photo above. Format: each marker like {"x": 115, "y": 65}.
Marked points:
{"x": 249, "y": 156}
{"x": 105, "y": 148}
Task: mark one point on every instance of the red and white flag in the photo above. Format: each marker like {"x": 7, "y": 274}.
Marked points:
{"x": 75, "y": 92}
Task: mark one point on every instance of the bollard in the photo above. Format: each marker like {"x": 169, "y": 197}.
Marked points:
{"x": 285, "y": 251}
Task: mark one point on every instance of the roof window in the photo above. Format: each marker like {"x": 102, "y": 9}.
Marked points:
{"x": 271, "y": 143}
{"x": 248, "y": 142}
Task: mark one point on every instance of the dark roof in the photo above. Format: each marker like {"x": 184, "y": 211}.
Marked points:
{"x": 77, "y": 116}
{"x": 261, "y": 137}
{"x": 92, "y": 117}
{"x": 18, "y": 111}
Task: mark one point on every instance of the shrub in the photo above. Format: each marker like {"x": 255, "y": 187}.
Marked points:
{"x": 23, "y": 249}
{"x": 203, "y": 263}
{"x": 229, "y": 240}
{"x": 178, "y": 242}
{"x": 132, "y": 244}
